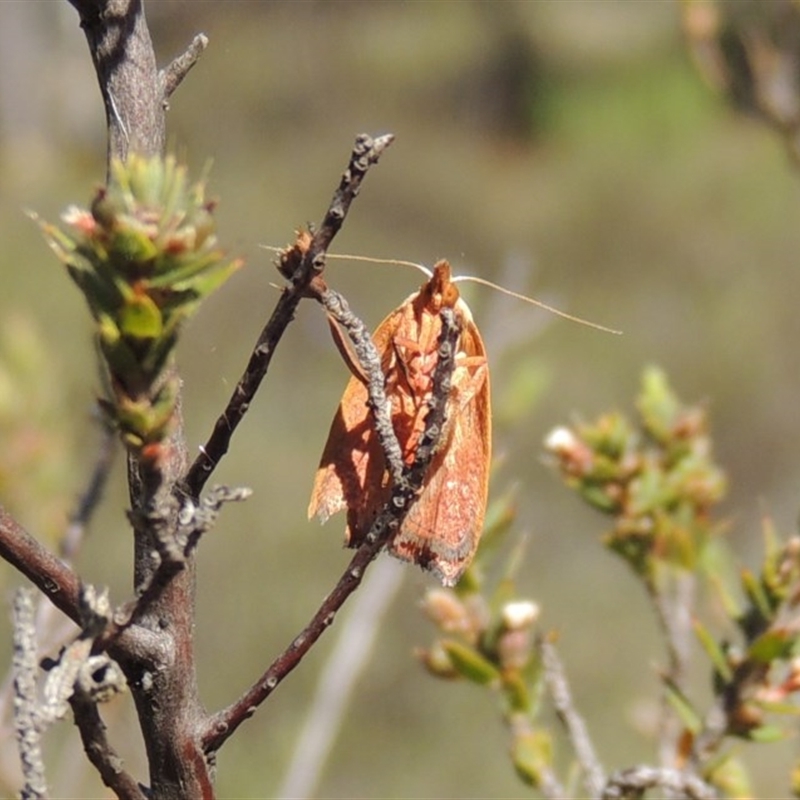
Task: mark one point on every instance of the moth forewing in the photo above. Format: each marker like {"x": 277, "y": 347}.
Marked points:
{"x": 351, "y": 471}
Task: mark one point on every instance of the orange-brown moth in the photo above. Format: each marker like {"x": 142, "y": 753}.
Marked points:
{"x": 443, "y": 527}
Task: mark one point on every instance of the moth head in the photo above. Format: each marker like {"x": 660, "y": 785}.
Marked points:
{"x": 440, "y": 291}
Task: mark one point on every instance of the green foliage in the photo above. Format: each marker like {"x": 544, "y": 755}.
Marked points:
{"x": 659, "y": 484}
{"x": 490, "y": 642}
{"x": 144, "y": 256}
{"x": 657, "y": 480}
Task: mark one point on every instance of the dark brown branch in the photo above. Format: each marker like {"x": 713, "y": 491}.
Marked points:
{"x": 634, "y": 782}
{"x": 101, "y": 754}
{"x": 593, "y": 776}
{"x": 171, "y": 76}
{"x": 223, "y": 724}
{"x": 51, "y": 575}
{"x": 366, "y": 152}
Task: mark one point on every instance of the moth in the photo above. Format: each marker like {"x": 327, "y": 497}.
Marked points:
{"x": 442, "y": 529}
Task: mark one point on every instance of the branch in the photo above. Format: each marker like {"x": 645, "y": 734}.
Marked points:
{"x": 593, "y": 776}
{"x": 157, "y": 655}
{"x": 123, "y": 58}
{"x": 633, "y": 782}
{"x": 339, "y": 678}
{"x": 90, "y": 499}
{"x": 404, "y": 492}
{"x": 370, "y": 361}
{"x": 674, "y": 613}
{"x": 366, "y": 152}
{"x": 171, "y": 76}
{"x": 26, "y": 714}
{"x": 51, "y": 575}
{"x": 100, "y": 752}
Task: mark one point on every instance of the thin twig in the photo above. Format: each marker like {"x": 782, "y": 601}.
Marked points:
{"x": 89, "y": 500}
{"x": 100, "y": 752}
{"x": 674, "y": 613}
{"x": 366, "y": 152}
{"x": 339, "y": 677}
{"x": 634, "y": 782}
{"x": 26, "y": 714}
{"x": 173, "y": 552}
{"x": 370, "y": 360}
{"x": 593, "y": 775}
{"x": 224, "y": 723}
{"x": 171, "y": 76}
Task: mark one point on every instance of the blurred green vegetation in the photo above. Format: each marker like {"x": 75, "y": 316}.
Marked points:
{"x": 620, "y": 189}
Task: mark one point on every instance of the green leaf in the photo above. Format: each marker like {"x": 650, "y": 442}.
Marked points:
{"x": 683, "y": 707}
{"x": 773, "y": 644}
{"x": 209, "y": 281}
{"x": 756, "y": 594}
{"x": 597, "y": 496}
{"x": 729, "y": 603}
{"x": 730, "y": 776}
{"x": 470, "y": 663}
{"x": 132, "y": 246}
{"x": 516, "y": 691}
{"x": 531, "y": 755}
{"x": 766, "y": 734}
{"x": 714, "y": 651}
{"x": 658, "y": 404}
{"x": 140, "y": 318}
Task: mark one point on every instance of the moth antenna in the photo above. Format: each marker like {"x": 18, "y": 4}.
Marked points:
{"x": 425, "y": 270}
{"x": 368, "y": 259}
{"x": 538, "y": 303}
{"x": 396, "y": 261}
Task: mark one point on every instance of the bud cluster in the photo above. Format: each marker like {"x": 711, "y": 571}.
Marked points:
{"x": 144, "y": 255}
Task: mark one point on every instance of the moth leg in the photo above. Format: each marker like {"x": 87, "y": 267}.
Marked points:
{"x": 345, "y": 349}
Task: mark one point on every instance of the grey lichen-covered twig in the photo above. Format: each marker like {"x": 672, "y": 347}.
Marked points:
{"x": 631, "y": 784}
{"x": 593, "y": 775}
{"x": 370, "y": 361}
{"x": 27, "y": 720}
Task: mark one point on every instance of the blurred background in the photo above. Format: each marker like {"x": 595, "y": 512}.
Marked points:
{"x": 568, "y": 150}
